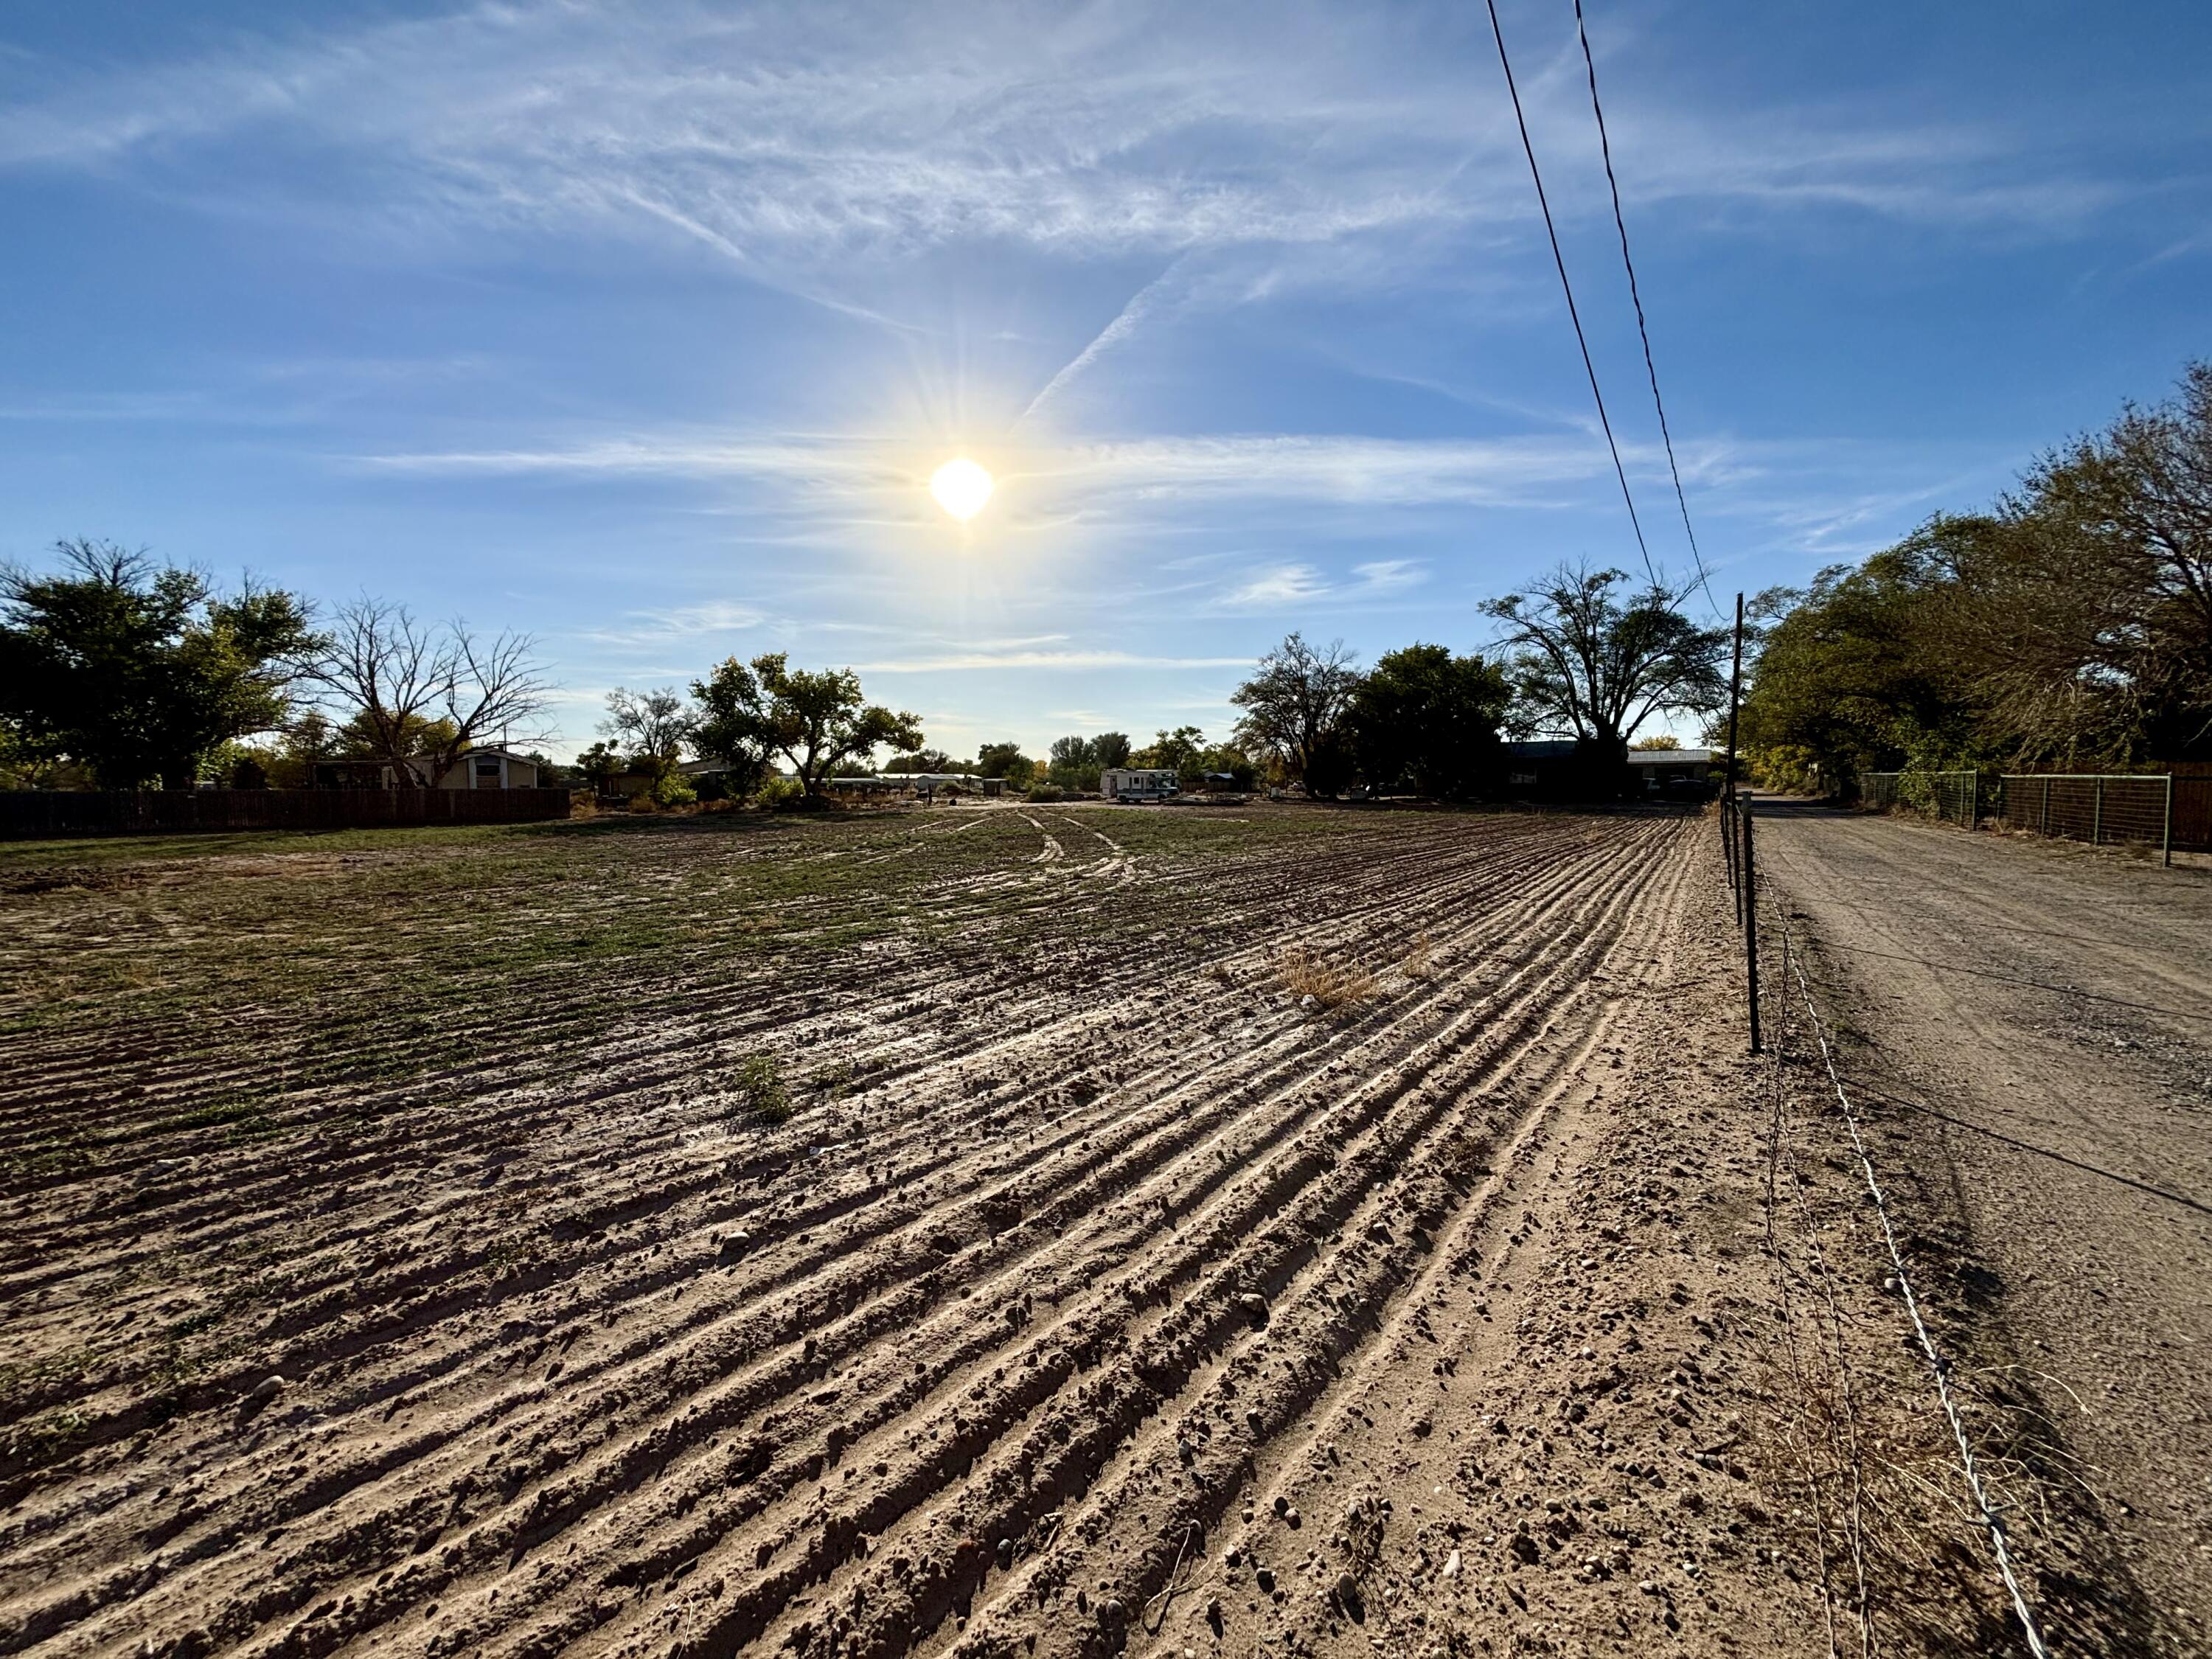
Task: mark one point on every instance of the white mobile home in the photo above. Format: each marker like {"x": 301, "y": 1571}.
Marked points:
{"x": 1136, "y": 783}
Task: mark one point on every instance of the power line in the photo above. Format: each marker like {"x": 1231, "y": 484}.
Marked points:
{"x": 1573, "y": 316}
{"x": 1605, "y": 145}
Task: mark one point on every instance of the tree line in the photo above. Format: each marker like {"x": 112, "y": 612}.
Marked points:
{"x": 2068, "y": 626}
{"x": 124, "y": 673}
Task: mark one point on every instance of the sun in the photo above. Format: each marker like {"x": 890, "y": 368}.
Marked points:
{"x": 961, "y": 488}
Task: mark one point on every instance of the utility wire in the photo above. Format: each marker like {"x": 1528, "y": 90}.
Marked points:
{"x": 1573, "y": 316}
{"x": 1605, "y": 146}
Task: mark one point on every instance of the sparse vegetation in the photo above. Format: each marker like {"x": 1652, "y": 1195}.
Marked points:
{"x": 757, "y": 1087}
{"x": 1332, "y": 985}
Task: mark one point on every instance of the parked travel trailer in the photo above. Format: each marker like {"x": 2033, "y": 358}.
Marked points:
{"x": 1137, "y": 783}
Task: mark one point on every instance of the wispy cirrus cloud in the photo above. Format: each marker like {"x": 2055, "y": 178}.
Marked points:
{"x": 1348, "y": 468}
{"x": 810, "y": 137}
{"x": 962, "y": 662}
{"x": 645, "y": 628}
{"x": 1287, "y": 586}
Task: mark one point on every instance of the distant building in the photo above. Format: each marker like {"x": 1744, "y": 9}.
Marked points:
{"x": 1542, "y": 768}
{"x": 1676, "y": 773}
{"x": 479, "y": 769}
{"x": 1137, "y": 783}
{"x": 1562, "y": 769}
{"x": 939, "y": 783}
{"x": 489, "y": 768}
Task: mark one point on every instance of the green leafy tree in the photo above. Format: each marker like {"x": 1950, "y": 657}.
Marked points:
{"x": 600, "y": 765}
{"x": 1243, "y": 772}
{"x": 1426, "y": 720}
{"x": 1074, "y": 763}
{"x": 142, "y": 672}
{"x": 1854, "y": 676}
{"x": 1110, "y": 749}
{"x": 923, "y": 760}
{"x": 1181, "y": 750}
{"x": 1293, "y": 708}
{"x": 819, "y": 720}
{"x": 733, "y": 725}
{"x": 1591, "y": 664}
{"x": 1005, "y": 760}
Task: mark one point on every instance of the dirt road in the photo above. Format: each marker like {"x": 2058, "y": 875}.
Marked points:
{"x": 2041, "y": 1018}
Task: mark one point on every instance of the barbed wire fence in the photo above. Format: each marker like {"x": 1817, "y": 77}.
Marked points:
{"x": 1841, "y": 1430}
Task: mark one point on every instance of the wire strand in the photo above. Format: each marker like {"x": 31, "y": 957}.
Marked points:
{"x": 1937, "y": 1363}
{"x": 1573, "y": 316}
{"x": 1636, "y": 297}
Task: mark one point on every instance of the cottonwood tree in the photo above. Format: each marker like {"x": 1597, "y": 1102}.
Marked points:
{"x": 731, "y": 724}
{"x": 1426, "y": 719}
{"x": 2081, "y": 607}
{"x": 816, "y": 719}
{"x": 1110, "y": 749}
{"x": 921, "y": 760}
{"x": 652, "y": 725}
{"x": 1293, "y": 706}
{"x": 141, "y": 671}
{"x": 1594, "y": 665}
{"x": 423, "y": 694}
{"x": 1005, "y": 760}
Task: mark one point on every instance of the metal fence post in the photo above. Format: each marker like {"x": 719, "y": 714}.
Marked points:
{"x": 1750, "y": 929}
{"x": 2097, "y": 817}
{"x": 2047, "y": 807}
{"x": 2166, "y": 834}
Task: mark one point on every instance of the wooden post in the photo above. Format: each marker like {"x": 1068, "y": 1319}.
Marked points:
{"x": 1750, "y": 926}
{"x": 2165, "y": 836}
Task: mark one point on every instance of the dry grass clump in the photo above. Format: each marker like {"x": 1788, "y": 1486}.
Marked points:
{"x": 1419, "y": 961}
{"x": 1331, "y": 985}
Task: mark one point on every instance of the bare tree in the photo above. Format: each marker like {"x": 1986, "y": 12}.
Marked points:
{"x": 654, "y": 726}
{"x": 1294, "y": 705}
{"x": 423, "y": 694}
{"x": 1589, "y": 666}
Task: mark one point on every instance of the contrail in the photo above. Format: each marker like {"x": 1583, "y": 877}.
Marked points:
{"x": 1123, "y": 325}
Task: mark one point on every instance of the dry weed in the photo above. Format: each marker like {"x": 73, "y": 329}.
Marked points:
{"x": 1419, "y": 961}
{"x": 1330, "y": 985}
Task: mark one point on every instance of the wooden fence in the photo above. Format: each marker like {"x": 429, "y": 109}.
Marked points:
{"x": 45, "y": 812}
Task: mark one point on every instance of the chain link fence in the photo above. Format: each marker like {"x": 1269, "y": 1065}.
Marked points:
{"x": 2152, "y": 809}
{"x": 1953, "y": 797}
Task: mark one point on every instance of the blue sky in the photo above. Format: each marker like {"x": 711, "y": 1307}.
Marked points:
{"x": 641, "y": 327}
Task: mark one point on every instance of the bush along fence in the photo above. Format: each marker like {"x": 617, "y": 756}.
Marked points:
{"x": 1950, "y": 796}
{"x": 169, "y": 811}
{"x": 2154, "y": 809}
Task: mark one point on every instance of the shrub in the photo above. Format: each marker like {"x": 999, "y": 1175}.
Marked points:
{"x": 674, "y": 791}
{"x": 1044, "y": 792}
{"x": 759, "y": 1087}
{"x": 780, "y": 794}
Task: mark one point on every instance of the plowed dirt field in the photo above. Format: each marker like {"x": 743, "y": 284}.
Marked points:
{"x": 946, "y": 1233}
